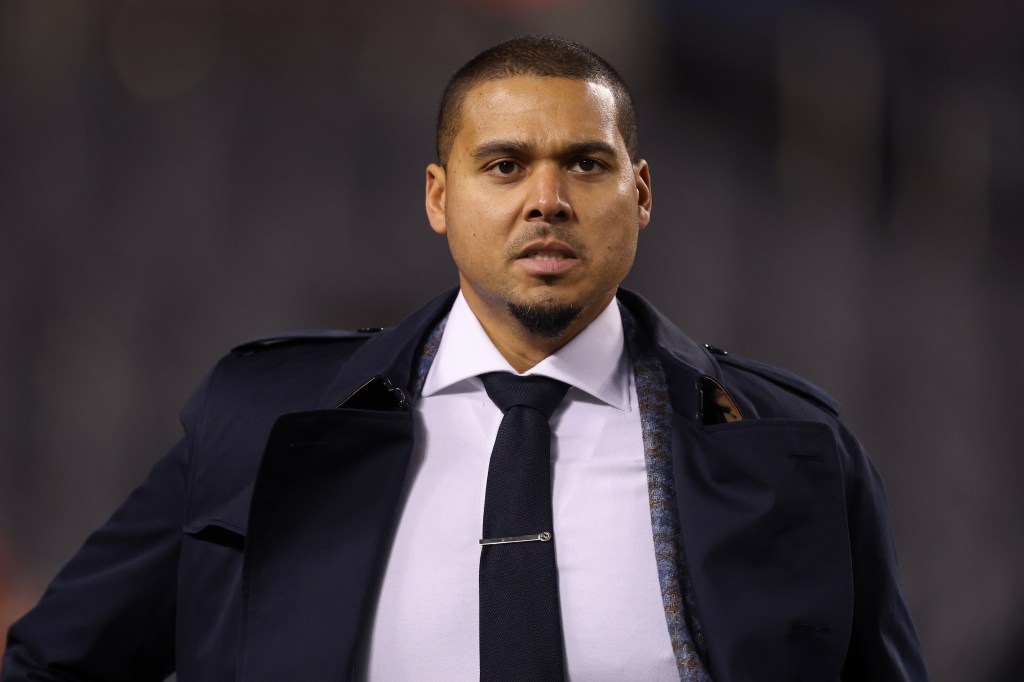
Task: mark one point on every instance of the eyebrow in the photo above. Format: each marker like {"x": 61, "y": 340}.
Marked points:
{"x": 501, "y": 148}
{"x": 518, "y": 148}
{"x": 588, "y": 148}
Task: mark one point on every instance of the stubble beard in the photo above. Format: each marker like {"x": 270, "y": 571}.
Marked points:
{"x": 547, "y": 320}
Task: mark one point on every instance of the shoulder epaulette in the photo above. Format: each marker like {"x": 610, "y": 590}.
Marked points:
{"x": 784, "y": 379}
{"x": 304, "y": 336}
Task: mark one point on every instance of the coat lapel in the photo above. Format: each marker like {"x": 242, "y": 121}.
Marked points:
{"x": 322, "y": 511}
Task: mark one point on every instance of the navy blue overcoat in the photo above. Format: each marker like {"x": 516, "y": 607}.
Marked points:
{"x": 250, "y": 551}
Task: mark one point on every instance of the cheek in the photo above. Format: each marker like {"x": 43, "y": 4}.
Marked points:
{"x": 469, "y": 240}
{"x": 621, "y": 255}
{"x": 469, "y": 214}
{"x": 480, "y": 227}
{"x": 620, "y": 244}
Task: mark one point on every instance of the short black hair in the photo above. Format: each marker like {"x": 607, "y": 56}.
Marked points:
{"x": 532, "y": 56}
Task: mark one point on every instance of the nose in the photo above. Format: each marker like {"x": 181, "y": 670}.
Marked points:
{"x": 547, "y": 199}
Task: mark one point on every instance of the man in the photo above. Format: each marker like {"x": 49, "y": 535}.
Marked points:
{"x": 322, "y": 518}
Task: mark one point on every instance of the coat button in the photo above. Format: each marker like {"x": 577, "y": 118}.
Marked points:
{"x": 715, "y": 349}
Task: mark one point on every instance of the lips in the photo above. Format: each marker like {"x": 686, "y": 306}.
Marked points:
{"x": 546, "y": 258}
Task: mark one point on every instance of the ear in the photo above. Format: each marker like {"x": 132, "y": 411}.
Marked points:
{"x": 435, "y": 199}
{"x": 642, "y": 172}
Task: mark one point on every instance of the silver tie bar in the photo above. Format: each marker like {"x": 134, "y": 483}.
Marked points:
{"x": 542, "y": 537}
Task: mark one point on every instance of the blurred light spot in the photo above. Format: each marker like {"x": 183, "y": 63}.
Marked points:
{"x": 162, "y": 49}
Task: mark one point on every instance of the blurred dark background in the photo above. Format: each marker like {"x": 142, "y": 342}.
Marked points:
{"x": 838, "y": 190}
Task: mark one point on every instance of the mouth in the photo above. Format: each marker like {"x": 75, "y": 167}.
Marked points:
{"x": 546, "y": 258}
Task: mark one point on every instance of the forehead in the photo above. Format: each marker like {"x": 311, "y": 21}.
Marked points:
{"x": 537, "y": 107}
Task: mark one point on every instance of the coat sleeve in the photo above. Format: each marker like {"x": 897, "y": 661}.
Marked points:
{"x": 110, "y": 612}
{"x": 883, "y": 643}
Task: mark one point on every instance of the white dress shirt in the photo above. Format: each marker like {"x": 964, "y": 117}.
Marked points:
{"x": 427, "y": 616}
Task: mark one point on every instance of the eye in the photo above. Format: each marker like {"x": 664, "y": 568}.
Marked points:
{"x": 504, "y": 167}
{"x": 587, "y": 165}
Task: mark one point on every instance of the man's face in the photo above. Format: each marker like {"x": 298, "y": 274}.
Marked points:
{"x": 540, "y": 201}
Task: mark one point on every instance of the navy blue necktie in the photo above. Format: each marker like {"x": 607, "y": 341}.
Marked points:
{"x": 520, "y": 620}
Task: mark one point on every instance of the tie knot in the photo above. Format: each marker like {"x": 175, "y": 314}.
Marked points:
{"x": 536, "y": 392}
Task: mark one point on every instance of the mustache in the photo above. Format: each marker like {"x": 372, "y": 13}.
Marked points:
{"x": 562, "y": 234}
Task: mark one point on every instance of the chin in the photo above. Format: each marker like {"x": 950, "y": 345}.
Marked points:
{"x": 547, "y": 318}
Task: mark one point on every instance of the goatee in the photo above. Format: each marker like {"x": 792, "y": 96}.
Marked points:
{"x": 549, "y": 321}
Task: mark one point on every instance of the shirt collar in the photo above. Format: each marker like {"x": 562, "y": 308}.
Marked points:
{"x": 595, "y": 361}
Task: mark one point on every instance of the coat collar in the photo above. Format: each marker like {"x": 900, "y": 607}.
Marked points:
{"x": 683, "y": 360}
{"x": 391, "y": 353}
{"x": 394, "y": 352}
{"x": 670, "y": 343}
